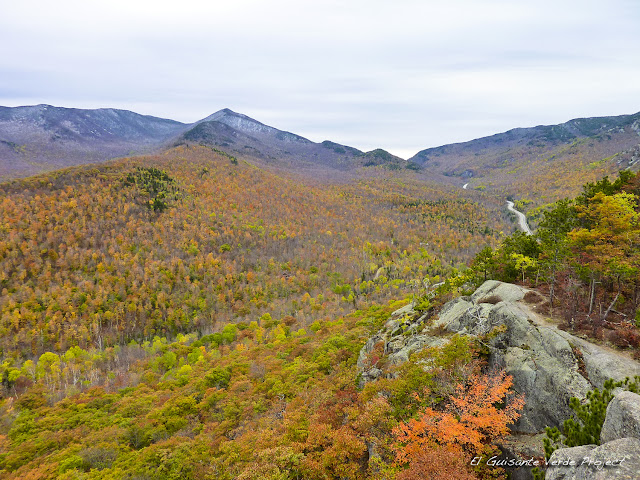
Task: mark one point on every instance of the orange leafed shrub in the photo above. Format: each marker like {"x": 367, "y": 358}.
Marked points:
{"x": 472, "y": 420}
{"x": 443, "y": 463}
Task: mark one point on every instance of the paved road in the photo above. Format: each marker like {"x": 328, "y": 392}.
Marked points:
{"x": 522, "y": 219}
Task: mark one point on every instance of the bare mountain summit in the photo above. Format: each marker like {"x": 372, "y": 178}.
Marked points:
{"x": 239, "y": 134}
{"x": 42, "y": 137}
{"x": 248, "y": 125}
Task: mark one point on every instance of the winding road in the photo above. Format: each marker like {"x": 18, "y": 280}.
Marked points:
{"x": 522, "y": 219}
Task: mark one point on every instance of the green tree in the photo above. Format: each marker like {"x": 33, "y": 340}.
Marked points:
{"x": 605, "y": 187}
{"x": 484, "y": 262}
{"x": 552, "y": 234}
{"x": 590, "y": 415}
{"x": 155, "y": 187}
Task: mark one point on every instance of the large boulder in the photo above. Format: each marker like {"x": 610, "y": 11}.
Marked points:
{"x": 618, "y": 459}
{"x": 623, "y": 418}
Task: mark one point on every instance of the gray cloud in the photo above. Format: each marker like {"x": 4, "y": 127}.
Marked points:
{"x": 402, "y": 76}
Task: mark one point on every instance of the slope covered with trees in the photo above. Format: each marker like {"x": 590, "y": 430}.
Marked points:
{"x": 190, "y": 315}
{"x": 195, "y": 239}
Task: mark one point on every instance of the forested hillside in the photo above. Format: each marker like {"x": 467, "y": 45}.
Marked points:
{"x": 542, "y": 164}
{"x": 101, "y": 256}
{"x": 585, "y": 256}
{"x": 190, "y": 315}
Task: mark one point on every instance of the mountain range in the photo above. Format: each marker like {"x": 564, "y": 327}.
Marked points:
{"x": 545, "y": 161}
{"x": 42, "y": 137}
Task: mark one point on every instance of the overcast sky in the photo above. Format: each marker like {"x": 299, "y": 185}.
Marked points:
{"x": 401, "y": 75}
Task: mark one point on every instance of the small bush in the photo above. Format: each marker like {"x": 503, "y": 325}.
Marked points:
{"x": 97, "y": 458}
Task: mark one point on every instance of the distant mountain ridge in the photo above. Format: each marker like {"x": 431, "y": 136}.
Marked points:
{"x": 545, "y": 162}
{"x": 102, "y": 123}
{"x": 43, "y": 137}
{"x": 238, "y": 133}
{"x": 570, "y": 130}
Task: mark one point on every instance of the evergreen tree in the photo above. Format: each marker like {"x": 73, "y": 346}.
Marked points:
{"x": 552, "y": 234}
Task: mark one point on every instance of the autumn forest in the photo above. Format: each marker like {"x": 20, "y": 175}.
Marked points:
{"x": 195, "y": 304}
{"x": 197, "y": 315}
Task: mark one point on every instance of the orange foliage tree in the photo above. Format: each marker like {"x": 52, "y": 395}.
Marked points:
{"x": 476, "y": 415}
{"x": 443, "y": 463}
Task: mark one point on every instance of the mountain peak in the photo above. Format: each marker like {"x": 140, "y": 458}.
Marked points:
{"x": 226, "y": 114}
{"x": 249, "y": 126}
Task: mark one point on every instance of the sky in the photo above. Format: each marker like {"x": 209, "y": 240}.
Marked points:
{"x": 401, "y": 75}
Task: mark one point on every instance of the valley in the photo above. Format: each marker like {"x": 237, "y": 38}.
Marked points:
{"x": 536, "y": 165}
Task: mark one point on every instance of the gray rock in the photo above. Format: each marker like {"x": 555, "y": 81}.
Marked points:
{"x": 413, "y": 344}
{"x": 589, "y": 462}
{"x": 407, "y": 309}
{"x": 366, "y": 350}
{"x": 370, "y": 375}
{"x": 557, "y": 346}
{"x": 623, "y": 417}
{"x": 505, "y": 292}
{"x": 602, "y": 363}
{"x": 452, "y": 311}
{"x": 541, "y": 358}
{"x": 547, "y": 385}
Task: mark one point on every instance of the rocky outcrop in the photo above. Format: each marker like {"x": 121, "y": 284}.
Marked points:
{"x": 623, "y": 418}
{"x": 400, "y": 337}
{"x": 618, "y": 459}
{"x": 549, "y": 366}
